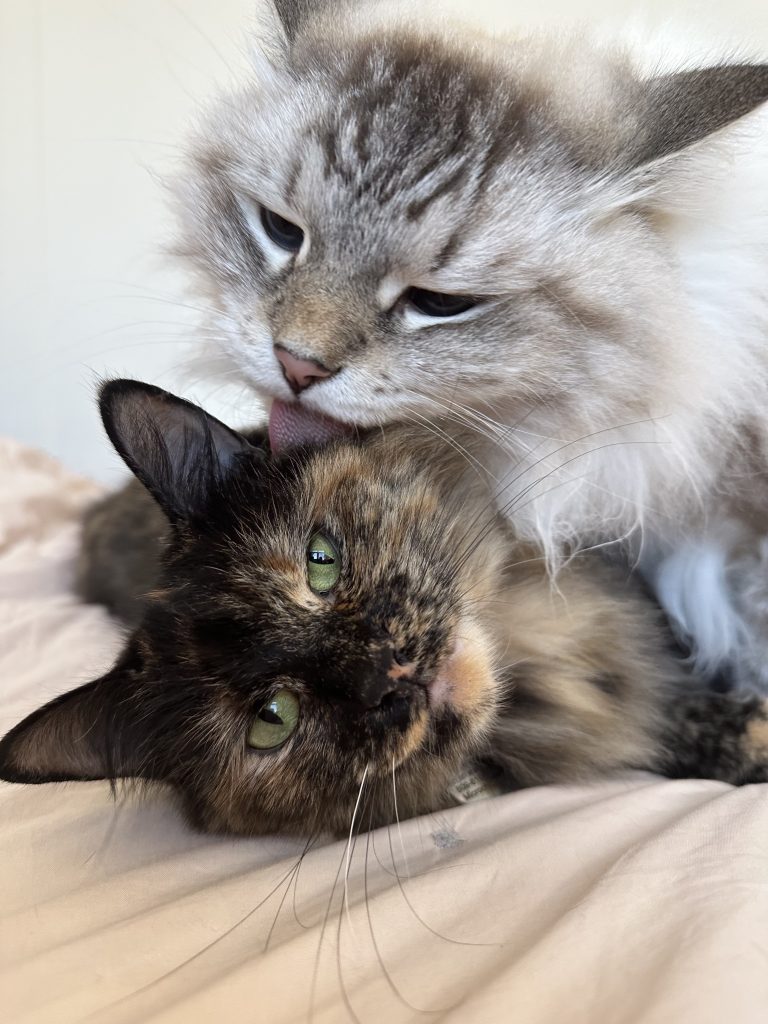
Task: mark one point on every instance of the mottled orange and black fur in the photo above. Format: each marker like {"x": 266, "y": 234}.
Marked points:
{"x": 443, "y": 642}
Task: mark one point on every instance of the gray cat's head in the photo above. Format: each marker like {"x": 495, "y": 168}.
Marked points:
{"x": 390, "y": 219}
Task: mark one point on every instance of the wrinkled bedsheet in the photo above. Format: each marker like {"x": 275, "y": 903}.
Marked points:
{"x": 631, "y": 900}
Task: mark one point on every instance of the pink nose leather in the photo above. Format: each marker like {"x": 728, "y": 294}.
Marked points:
{"x": 300, "y": 373}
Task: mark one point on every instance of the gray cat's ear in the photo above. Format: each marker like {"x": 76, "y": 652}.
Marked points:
{"x": 74, "y": 737}
{"x": 180, "y": 453}
{"x": 684, "y": 108}
{"x": 294, "y": 14}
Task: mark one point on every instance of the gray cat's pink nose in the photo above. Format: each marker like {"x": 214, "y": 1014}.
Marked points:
{"x": 300, "y": 373}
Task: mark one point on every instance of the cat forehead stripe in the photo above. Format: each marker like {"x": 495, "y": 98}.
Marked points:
{"x": 416, "y": 121}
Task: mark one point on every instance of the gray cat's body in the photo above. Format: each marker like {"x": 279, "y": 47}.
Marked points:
{"x": 555, "y": 242}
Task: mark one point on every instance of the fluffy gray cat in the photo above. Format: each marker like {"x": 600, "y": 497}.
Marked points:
{"x": 550, "y": 240}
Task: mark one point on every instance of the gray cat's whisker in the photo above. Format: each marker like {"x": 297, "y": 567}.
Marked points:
{"x": 515, "y": 502}
{"x": 170, "y": 300}
{"x": 451, "y": 441}
{"x": 511, "y": 506}
{"x": 200, "y": 31}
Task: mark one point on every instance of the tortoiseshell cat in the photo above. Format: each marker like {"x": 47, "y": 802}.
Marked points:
{"x": 332, "y": 621}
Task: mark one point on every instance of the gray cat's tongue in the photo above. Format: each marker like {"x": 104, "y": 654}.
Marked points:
{"x": 291, "y": 424}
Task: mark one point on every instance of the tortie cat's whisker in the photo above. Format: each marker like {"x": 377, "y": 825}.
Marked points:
{"x": 399, "y": 878}
{"x": 214, "y": 942}
{"x": 397, "y": 818}
{"x": 344, "y": 908}
{"x": 110, "y": 832}
{"x": 349, "y": 847}
{"x": 283, "y": 899}
{"x": 296, "y": 917}
{"x": 385, "y": 972}
{"x": 324, "y": 925}
{"x": 344, "y": 863}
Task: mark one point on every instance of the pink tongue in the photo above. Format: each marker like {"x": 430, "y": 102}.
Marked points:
{"x": 291, "y": 424}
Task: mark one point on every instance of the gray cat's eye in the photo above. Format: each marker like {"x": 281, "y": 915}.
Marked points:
{"x": 282, "y": 232}
{"x": 275, "y": 722}
{"x": 439, "y": 303}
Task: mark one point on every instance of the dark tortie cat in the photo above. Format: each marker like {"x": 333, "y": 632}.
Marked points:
{"x": 354, "y": 626}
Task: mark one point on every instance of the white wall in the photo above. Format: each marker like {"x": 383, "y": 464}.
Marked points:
{"x": 94, "y": 98}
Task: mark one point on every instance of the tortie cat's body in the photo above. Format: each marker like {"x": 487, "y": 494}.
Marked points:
{"x": 332, "y": 626}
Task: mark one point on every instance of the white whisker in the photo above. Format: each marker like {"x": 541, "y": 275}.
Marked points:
{"x": 349, "y": 850}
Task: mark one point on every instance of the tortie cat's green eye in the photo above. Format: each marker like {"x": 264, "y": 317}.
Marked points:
{"x": 275, "y": 722}
{"x": 323, "y": 564}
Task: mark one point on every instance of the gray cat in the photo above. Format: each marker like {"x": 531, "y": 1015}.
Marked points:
{"x": 557, "y": 242}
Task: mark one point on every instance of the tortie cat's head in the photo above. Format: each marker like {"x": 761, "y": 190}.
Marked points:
{"x": 311, "y": 631}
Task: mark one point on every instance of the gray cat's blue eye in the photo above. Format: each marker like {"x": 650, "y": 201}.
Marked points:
{"x": 439, "y": 303}
{"x": 282, "y": 232}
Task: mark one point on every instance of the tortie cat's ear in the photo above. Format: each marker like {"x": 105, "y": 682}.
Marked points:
{"x": 78, "y": 736}
{"x": 180, "y": 453}
{"x": 684, "y": 108}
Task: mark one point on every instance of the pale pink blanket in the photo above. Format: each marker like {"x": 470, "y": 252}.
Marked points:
{"x": 632, "y": 900}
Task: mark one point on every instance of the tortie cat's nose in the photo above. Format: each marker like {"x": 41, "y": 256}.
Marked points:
{"x": 300, "y": 373}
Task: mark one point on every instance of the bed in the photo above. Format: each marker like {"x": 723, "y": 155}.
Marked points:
{"x": 632, "y": 900}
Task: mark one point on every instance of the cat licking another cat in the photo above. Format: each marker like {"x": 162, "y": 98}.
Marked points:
{"x": 540, "y": 264}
